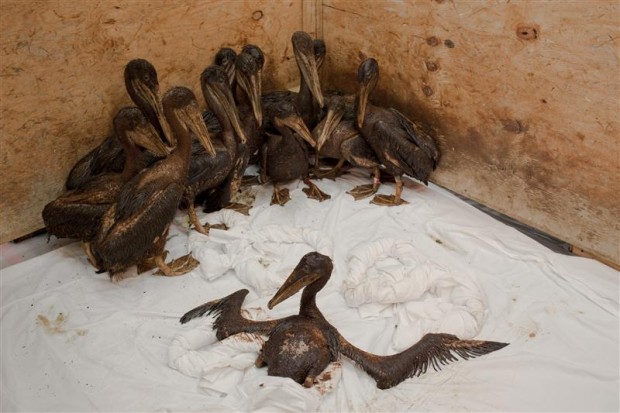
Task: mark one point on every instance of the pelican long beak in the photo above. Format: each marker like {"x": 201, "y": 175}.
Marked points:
{"x": 147, "y": 137}
{"x": 230, "y": 72}
{"x": 307, "y": 65}
{"x": 252, "y": 87}
{"x": 301, "y": 277}
{"x": 328, "y": 124}
{"x": 191, "y": 117}
{"x": 362, "y": 102}
{"x": 296, "y": 123}
{"x": 153, "y": 101}
{"x": 225, "y": 98}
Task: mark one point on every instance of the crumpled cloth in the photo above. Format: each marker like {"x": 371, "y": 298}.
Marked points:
{"x": 261, "y": 258}
{"x": 392, "y": 278}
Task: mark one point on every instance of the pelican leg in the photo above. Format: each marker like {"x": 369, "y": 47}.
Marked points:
{"x": 364, "y": 191}
{"x": 89, "y": 254}
{"x": 180, "y": 266}
{"x": 280, "y": 196}
{"x": 314, "y": 192}
{"x": 310, "y": 381}
{"x": 391, "y": 200}
{"x": 202, "y": 228}
{"x": 260, "y": 360}
{"x": 150, "y": 262}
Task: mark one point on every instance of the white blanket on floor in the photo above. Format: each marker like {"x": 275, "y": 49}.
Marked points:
{"x": 74, "y": 341}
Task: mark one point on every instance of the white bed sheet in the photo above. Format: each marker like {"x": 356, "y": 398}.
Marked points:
{"x": 74, "y": 341}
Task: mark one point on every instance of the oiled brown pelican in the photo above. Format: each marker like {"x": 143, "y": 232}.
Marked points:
{"x": 402, "y": 146}
{"x": 134, "y": 229}
{"x": 225, "y": 58}
{"x": 248, "y": 73}
{"x": 337, "y": 137}
{"x": 142, "y": 86}
{"x": 77, "y": 213}
{"x": 301, "y": 346}
{"x": 309, "y": 85}
{"x": 284, "y": 157}
{"x": 222, "y": 171}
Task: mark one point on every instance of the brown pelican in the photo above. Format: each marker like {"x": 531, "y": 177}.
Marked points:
{"x": 401, "y": 145}
{"x": 142, "y": 86}
{"x": 134, "y": 229}
{"x": 302, "y": 345}
{"x": 77, "y": 213}
{"x": 284, "y": 157}
{"x": 337, "y": 137}
{"x": 221, "y": 174}
{"x": 310, "y": 96}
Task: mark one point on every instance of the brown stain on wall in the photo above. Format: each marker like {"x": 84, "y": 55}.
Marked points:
{"x": 61, "y": 73}
{"x": 527, "y": 108}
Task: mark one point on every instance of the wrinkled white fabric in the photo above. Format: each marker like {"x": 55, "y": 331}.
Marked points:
{"x": 392, "y": 278}
{"x": 73, "y": 341}
{"x": 260, "y": 257}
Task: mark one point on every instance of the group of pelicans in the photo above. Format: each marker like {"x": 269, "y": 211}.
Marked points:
{"x": 121, "y": 198}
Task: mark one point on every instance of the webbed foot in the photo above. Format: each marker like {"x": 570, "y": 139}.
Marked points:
{"x": 180, "y": 266}
{"x": 240, "y": 208}
{"x": 314, "y": 192}
{"x": 149, "y": 263}
{"x": 220, "y": 226}
{"x": 387, "y": 200}
{"x": 280, "y": 196}
{"x": 363, "y": 191}
{"x": 249, "y": 180}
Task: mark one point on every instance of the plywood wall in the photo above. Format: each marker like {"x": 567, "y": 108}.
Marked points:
{"x": 526, "y": 95}
{"x": 61, "y": 73}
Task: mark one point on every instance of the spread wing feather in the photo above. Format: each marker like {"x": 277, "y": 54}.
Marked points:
{"x": 434, "y": 350}
{"x": 228, "y": 318}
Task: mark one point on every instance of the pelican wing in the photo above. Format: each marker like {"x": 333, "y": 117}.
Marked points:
{"x": 228, "y": 318}
{"x": 433, "y": 350}
{"x": 396, "y": 151}
{"x": 419, "y": 136}
{"x": 134, "y": 223}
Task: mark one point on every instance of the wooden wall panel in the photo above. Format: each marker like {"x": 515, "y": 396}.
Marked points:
{"x": 61, "y": 73}
{"x": 525, "y": 94}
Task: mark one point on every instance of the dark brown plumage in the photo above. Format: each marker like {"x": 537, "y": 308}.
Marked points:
{"x": 338, "y": 138}
{"x": 225, "y": 58}
{"x": 248, "y": 73}
{"x": 301, "y": 346}
{"x": 401, "y": 146}
{"x": 135, "y": 227}
{"x": 223, "y": 170}
{"x": 77, "y": 213}
{"x": 284, "y": 157}
{"x": 142, "y": 86}
{"x": 309, "y": 100}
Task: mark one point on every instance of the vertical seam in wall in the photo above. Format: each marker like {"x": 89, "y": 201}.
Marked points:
{"x": 312, "y": 17}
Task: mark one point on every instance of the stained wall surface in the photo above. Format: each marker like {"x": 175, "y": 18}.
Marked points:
{"x": 61, "y": 74}
{"x": 526, "y": 95}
